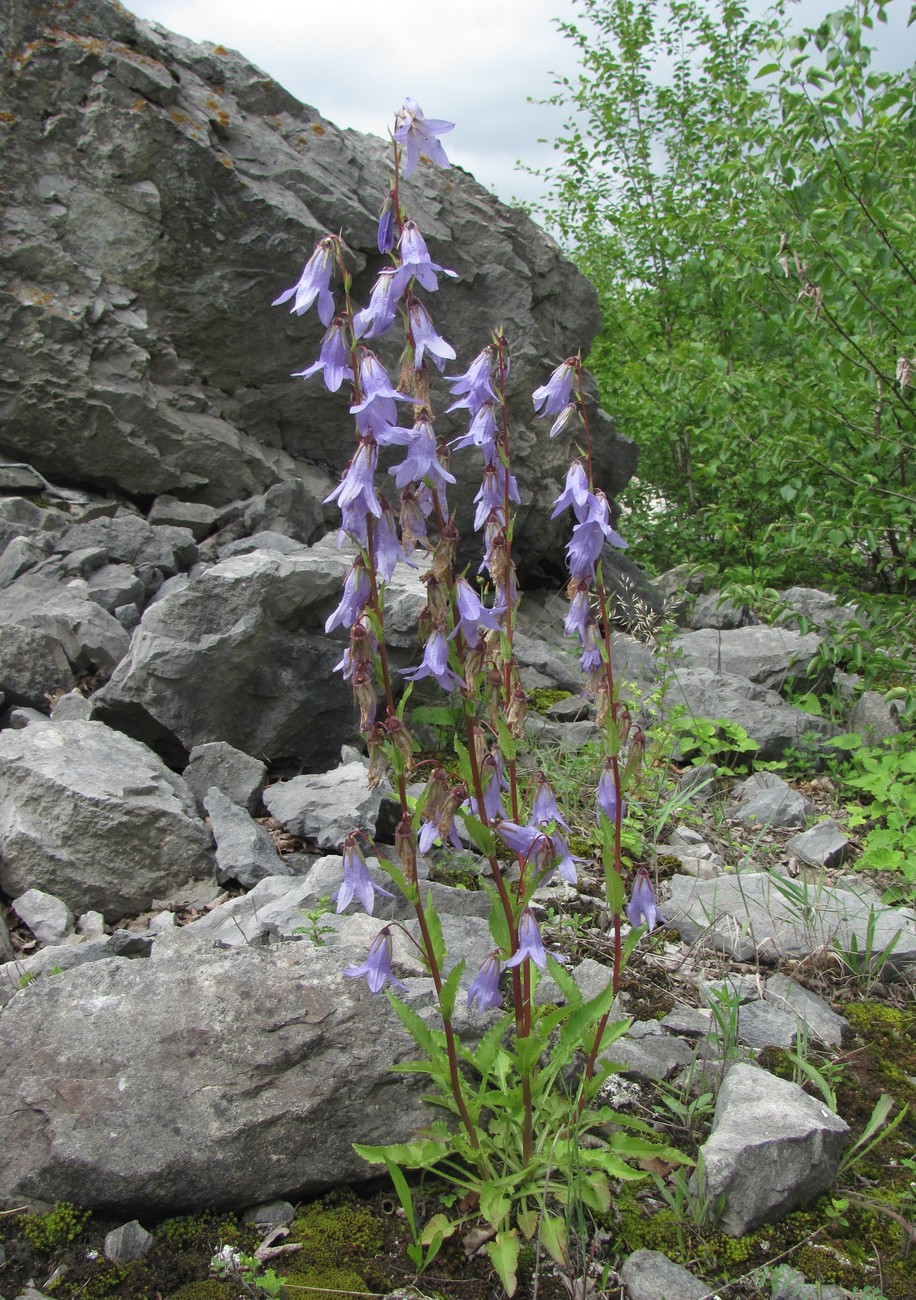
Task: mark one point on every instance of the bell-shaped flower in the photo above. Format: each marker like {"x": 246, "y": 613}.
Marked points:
{"x": 544, "y": 808}
{"x": 483, "y": 991}
{"x": 482, "y": 433}
{"x": 497, "y": 484}
{"x": 425, "y": 338}
{"x": 552, "y": 397}
{"x": 387, "y": 547}
{"x": 590, "y": 658}
{"x": 578, "y": 614}
{"x": 333, "y": 360}
{"x": 642, "y": 908}
{"x": 418, "y": 135}
{"x": 575, "y": 493}
{"x": 472, "y": 613}
{"x": 314, "y": 282}
{"x": 422, "y": 461}
{"x": 416, "y": 262}
{"x": 356, "y": 595}
{"x": 377, "y": 966}
{"x": 435, "y": 664}
{"x": 379, "y": 316}
{"x": 607, "y": 796}
{"x": 355, "y": 493}
{"x": 357, "y": 883}
{"x": 473, "y": 388}
{"x": 530, "y": 944}
{"x": 386, "y": 224}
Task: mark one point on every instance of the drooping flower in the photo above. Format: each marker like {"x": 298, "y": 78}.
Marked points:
{"x": 425, "y": 338}
{"x": 386, "y": 224}
{"x": 416, "y": 262}
{"x": 356, "y": 595}
{"x": 435, "y": 664}
{"x": 379, "y": 316}
{"x": 333, "y": 359}
{"x": 388, "y": 549}
{"x": 491, "y": 498}
{"x": 607, "y": 795}
{"x": 314, "y": 282}
{"x": 590, "y": 658}
{"x": 422, "y": 461}
{"x": 482, "y": 433}
{"x": 474, "y": 384}
{"x": 357, "y": 883}
{"x": 544, "y": 807}
{"x": 575, "y": 493}
{"x": 530, "y": 944}
{"x": 472, "y": 613}
{"x": 418, "y": 135}
{"x": 355, "y": 493}
{"x": 377, "y": 410}
{"x": 377, "y": 966}
{"x": 552, "y": 397}
{"x": 578, "y": 614}
{"x": 642, "y": 908}
{"x": 483, "y": 991}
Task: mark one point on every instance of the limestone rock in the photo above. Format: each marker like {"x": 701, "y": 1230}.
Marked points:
{"x": 49, "y": 918}
{"x": 225, "y": 1078}
{"x": 650, "y": 1275}
{"x": 95, "y": 818}
{"x": 772, "y": 1148}
{"x": 143, "y": 351}
{"x": 240, "y": 777}
{"x": 767, "y": 656}
{"x": 326, "y": 807}
{"x": 244, "y": 851}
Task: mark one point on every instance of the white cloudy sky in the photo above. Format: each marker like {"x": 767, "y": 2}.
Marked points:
{"x": 474, "y": 62}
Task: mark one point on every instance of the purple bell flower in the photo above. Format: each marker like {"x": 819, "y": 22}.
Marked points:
{"x": 530, "y": 944}
{"x": 607, "y": 796}
{"x": 333, "y": 359}
{"x": 386, "y": 224}
{"x": 642, "y": 908}
{"x": 314, "y": 283}
{"x": 575, "y": 493}
{"x": 474, "y": 384}
{"x": 552, "y": 397}
{"x": 416, "y": 262}
{"x": 425, "y": 338}
{"x": 377, "y": 966}
{"x": 544, "y": 807}
{"x": 472, "y": 613}
{"x": 357, "y": 883}
{"x": 356, "y": 595}
{"x": 435, "y": 664}
{"x": 418, "y": 135}
{"x": 483, "y": 991}
{"x": 422, "y": 461}
{"x": 356, "y": 490}
{"x": 482, "y": 433}
{"x": 379, "y": 316}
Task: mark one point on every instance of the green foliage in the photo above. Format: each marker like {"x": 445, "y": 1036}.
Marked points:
{"x": 886, "y": 777}
{"x": 712, "y": 740}
{"x": 55, "y": 1229}
{"x": 749, "y": 230}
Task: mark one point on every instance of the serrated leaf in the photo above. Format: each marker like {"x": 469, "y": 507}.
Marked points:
{"x": 503, "y": 1252}
{"x": 450, "y": 990}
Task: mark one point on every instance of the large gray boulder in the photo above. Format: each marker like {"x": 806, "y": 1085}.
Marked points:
{"x": 161, "y": 194}
{"x": 768, "y": 656}
{"x": 240, "y": 655}
{"x": 205, "y": 1078}
{"x": 94, "y": 818}
{"x": 772, "y": 1148}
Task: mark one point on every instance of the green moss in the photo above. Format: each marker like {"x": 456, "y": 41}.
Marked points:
{"x": 541, "y": 700}
{"x": 59, "y": 1227}
{"x": 337, "y": 1231}
{"x": 205, "y": 1231}
{"x": 335, "y": 1280}
{"x": 211, "y": 1289}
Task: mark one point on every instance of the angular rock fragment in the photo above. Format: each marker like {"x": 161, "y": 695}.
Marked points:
{"x": 95, "y": 818}
{"x": 772, "y": 1148}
